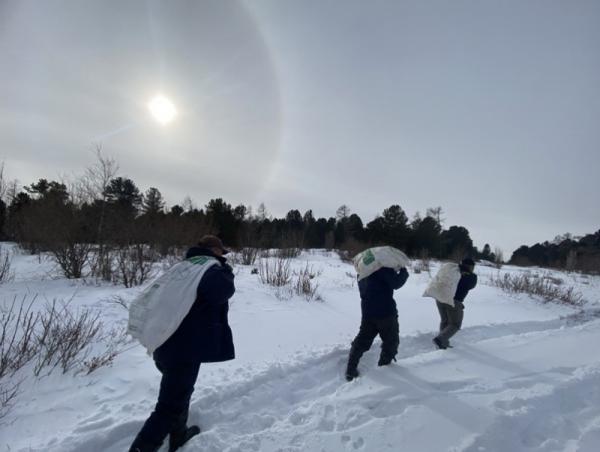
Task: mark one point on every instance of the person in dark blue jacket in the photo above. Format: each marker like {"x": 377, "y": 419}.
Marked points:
{"x": 379, "y": 316}
{"x": 451, "y": 317}
{"x": 203, "y": 336}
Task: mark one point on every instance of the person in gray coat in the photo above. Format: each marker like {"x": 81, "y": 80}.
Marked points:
{"x": 451, "y": 318}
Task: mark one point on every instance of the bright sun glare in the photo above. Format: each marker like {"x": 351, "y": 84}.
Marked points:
{"x": 162, "y": 109}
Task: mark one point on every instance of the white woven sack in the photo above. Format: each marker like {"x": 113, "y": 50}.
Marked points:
{"x": 161, "y": 307}
{"x": 443, "y": 285}
{"x": 372, "y": 259}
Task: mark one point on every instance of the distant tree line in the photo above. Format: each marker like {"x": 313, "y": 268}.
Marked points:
{"x": 107, "y": 212}
{"x": 564, "y": 252}
{"x": 45, "y": 214}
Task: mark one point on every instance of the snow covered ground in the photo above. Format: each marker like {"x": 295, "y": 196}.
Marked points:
{"x": 523, "y": 375}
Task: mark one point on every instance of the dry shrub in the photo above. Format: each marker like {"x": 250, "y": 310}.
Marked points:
{"x": 63, "y": 338}
{"x": 345, "y": 256}
{"x": 71, "y": 258}
{"x": 498, "y": 258}
{"x": 288, "y": 253}
{"x": 423, "y": 264}
{"x": 101, "y": 263}
{"x": 8, "y": 395}
{"x": 248, "y": 255}
{"x": 276, "y": 273}
{"x": 53, "y": 337}
{"x": 546, "y": 287}
{"x": 6, "y": 273}
{"x": 130, "y": 265}
{"x": 18, "y": 341}
{"x": 112, "y": 342}
{"x": 134, "y": 265}
{"x": 304, "y": 283}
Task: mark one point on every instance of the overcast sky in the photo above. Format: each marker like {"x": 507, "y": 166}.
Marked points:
{"x": 488, "y": 109}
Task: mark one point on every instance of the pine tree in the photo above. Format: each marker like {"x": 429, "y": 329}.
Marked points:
{"x": 152, "y": 202}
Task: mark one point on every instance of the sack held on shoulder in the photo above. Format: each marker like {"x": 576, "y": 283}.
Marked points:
{"x": 372, "y": 259}
{"x": 161, "y": 307}
{"x": 443, "y": 285}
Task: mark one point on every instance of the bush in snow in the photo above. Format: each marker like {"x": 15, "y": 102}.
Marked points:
{"x": 304, "y": 283}
{"x": 8, "y": 394}
{"x": 423, "y": 264}
{"x": 245, "y": 256}
{"x": 288, "y": 253}
{"x": 112, "y": 345}
{"x": 344, "y": 256}
{"x": 417, "y": 267}
{"x": 71, "y": 257}
{"x": 62, "y": 339}
{"x": 49, "y": 338}
{"x": 134, "y": 264}
{"x": 5, "y": 263}
{"x": 248, "y": 255}
{"x": 130, "y": 265}
{"x": 18, "y": 344}
{"x": 498, "y": 258}
{"x": 276, "y": 273}
{"x": 553, "y": 279}
{"x": 101, "y": 263}
{"x": 547, "y": 287}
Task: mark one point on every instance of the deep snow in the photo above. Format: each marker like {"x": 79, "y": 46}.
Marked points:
{"x": 523, "y": 375}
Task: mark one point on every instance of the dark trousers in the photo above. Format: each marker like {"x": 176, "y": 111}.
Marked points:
{"x": 388, "y": 330}
{"x": 171, "y": 412}
{"x": 450, "y": 320}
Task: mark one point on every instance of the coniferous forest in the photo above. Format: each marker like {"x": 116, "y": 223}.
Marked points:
{"x": 107, "y": 214}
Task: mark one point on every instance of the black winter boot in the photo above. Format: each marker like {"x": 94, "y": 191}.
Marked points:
{"x": 351, "y": 373}
{"x": 385, "y": 360}
{"x": 140, "y": 446}
{"x": 439, "y": 344}
{"x": 176, "y": 440}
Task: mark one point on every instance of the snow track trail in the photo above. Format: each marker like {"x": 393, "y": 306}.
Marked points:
{"x": 495, "y": 391}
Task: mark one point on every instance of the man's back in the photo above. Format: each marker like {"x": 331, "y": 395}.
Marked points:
{"x": 204, "y": 334}
{"x": 468, "y": 281}
{"x": 377, "y": 290}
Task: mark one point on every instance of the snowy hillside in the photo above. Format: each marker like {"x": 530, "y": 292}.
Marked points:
{"x": 522, "y": 376}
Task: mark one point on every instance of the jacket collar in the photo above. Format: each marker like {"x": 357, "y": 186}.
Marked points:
{"x": 464, "y": 269}
{"x": 199, "y": 251}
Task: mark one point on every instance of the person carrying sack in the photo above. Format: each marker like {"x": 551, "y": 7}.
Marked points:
{"x": 451, "y": 316}
{"x": 379, "y": 314}
{"x": 202, "y": 336}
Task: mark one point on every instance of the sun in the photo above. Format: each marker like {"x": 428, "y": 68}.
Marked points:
{"x": 162, "y": 109}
